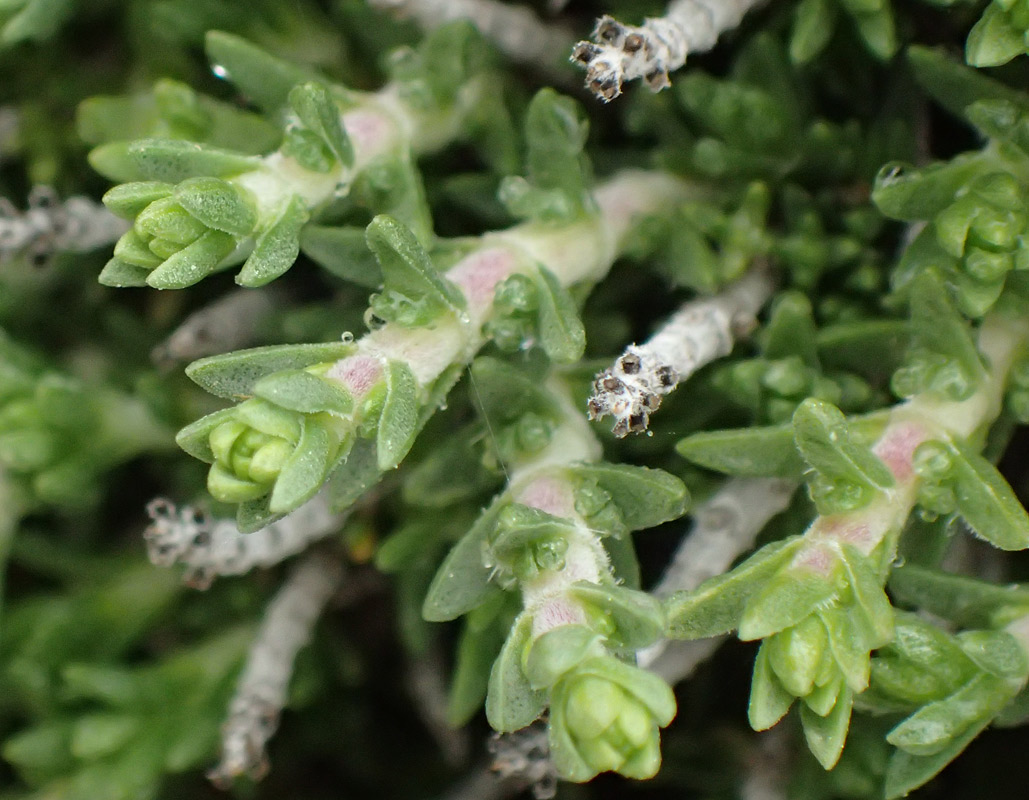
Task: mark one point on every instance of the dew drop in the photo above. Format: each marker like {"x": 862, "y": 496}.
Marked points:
{"x": 347, "y": 337}
{"x": 220, "y": 71}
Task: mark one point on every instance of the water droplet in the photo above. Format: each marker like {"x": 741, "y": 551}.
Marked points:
{"x": 899, "y": 561}
{"x": 347, "y": 337}
{"x": 220, "y": 71}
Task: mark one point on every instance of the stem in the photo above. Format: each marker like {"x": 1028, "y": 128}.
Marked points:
{"x": 262, "y": 690}
{"x": 724, "y": 527}
{"x": 621, "y": 53}
{"x": 922, "y": 418}
{"x": 701, "y": 331}
{"x": 516, "y": 31}
{"x": 209, "y": 548}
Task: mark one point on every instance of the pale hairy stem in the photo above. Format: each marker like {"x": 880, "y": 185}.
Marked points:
{"x": 620, "y": 53}
{"x": 724, "y": 527}
{"x": 579, "y": 251}
{"x": 516, "y": 30}
{"x": 50, "y": 225}
{"x": 698, "y": 333}
{"x": 229, "y": 323}
{"x": 263, "y": 688}
{"x": 922, "y": 418}
{"x": 209, "y": 547}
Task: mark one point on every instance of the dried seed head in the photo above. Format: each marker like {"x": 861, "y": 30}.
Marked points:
{"x": 630, "y": 363}
{"x": 585, "y": 52}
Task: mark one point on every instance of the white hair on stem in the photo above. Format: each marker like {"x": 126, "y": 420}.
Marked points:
{"x": 698, "y": 333}
{"x": 212, "y": 547}
{"x": 263, "y": 687}
{"x": 620, "y": 53}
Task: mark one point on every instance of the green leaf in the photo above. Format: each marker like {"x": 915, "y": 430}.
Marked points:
{"x": 846, "y": 345}
{"x": 343, "y": 251}
{"x": 277, "y": 247}
{"x": 195, "y": 437}
{"x": 717, "y": 605}
{"x": 953, "y": 85}
{"x": 451, "y": 473}
{"x": 908, "y": 193}
{"x": 234, "y": 375}
{"x": 391, "y": 184}
{"x": 906, "y": 771}
{"x": 996, "y": 652}
{"x": 638, "y": 619}
{"x": 561, "y": 333}
{"x": 939, "y": 327}
{"x": 218, "y": 204}
{"x": 557, "y": 651}
{"x": 305, "y": 471}
{"x": 769, "y": 700}
{"x": 968, "y": 602}
{"x": 755, "y": 452}
{"x": 645, "y": 497}
{"x": 986, "y": 501}
{"x": 850, "y": 644}
{"x": 791, "y": 329}
{"x": 167, "y": 160}
{"x": 128, "y": 199}
{"x": 506, "y": 392}
{"x": 555, "y": 135}
{"x": 398, "y": 423}
{"x": 300, "y": 390}
{"x": 319, "y": 112}
{"x": 194, "y": 262}
{"x": 477, "y": 649}
{"x": 994, "y": 40}
{"x": 934, "y": 726}
{"x": 784, "y": 600}
{"x": 357, "y": 474}
{"x": 813, "y": 25}
{"x": 407, "y": 269}
{"x": 826, "y": 735}
{"x": 264, "y": 79}
{"x": 866, "y": 585}
{"x": 511, "y": 702}
{"x": 462, "y": 581}
{"x": 824, "y": 440}
{"x": 119, "y": 274}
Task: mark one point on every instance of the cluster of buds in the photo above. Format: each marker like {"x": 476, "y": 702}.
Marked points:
{"x": 1000, "y": 35}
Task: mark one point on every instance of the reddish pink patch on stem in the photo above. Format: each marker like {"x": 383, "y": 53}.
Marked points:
{"x": 358, "y": 373}
{"x": 478, "y": 275}
{"x": 897, "y": 446}
{"x": 548, "y": 494}
{"x": 817, "y": 559}
{"x": 556, "y": 612}
{"x": 365, "y": 128}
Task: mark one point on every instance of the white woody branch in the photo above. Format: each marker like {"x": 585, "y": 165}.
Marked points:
{"x": 701, "y": 331}
{"x": 229, "y": 323}
{"x": 620, "y": 53}
{"x": 263, "y": 687}
{"x": 515, "y": 30}
{"x": 48, "y": 226}
{"x": 724, "y": 527}
{"x": 211, "y": 547}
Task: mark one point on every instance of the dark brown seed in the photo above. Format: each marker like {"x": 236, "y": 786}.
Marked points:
{"x": 633, "y": 42}
{"x": 585, "y": 52}
{"x": 637, "y": 423}
{"x": 667, "y": 376}
{"x": 630, "y": 363}
{"x": 611, "y": 383}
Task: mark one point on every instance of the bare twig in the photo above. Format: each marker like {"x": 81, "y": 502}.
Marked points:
{"x": 211, "y": 547}
{"x": 701, "y": 331}
{"x": 227, "y": 324}
{"x": 263, "y": 687}
{"x": 50, "y": 226}
{"x": 515, "y": 30}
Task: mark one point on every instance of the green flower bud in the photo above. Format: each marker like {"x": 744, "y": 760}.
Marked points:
{"x": 180, "y": 234}
{"x": 283, "y": 442}
{"x": 797, "y": 653}
{"x": 605, "y": 716}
